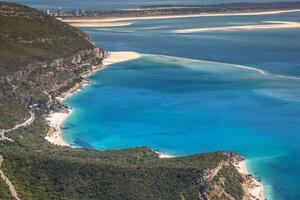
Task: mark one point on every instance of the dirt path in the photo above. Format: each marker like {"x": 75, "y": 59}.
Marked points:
{"x": 8, "y": 182}
{"x": 3, "y": 137}
{"x": 26, "y": 123}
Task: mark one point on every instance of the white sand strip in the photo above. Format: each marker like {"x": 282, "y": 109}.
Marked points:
{"x": 163, "y": 155}
{"x": 98, "y": 19}
{"x": 269, "y": 25}
{"x": 242, "y": 167}
{"x": 55, "y": 121}
{"x": 254, "y": 187}
{"x": 99, "y": 24}
{"x": 121, "y": 56}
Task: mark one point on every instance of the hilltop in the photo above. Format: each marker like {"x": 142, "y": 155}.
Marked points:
{"x": 27, "y": 35}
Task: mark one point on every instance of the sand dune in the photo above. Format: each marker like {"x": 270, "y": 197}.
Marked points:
{"x": 122, "y": 56}
{"x": 116, "y": 19}
{"x": 265, "y": 25}
{"x": 99, "y": 24}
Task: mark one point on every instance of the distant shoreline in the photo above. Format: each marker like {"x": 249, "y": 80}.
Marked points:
{"x": 56, "y": 119}
{"x": 216, "y": 14}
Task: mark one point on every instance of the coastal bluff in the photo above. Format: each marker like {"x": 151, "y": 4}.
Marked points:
{"x": 40, "y": 58}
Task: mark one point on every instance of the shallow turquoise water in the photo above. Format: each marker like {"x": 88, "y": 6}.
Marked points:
{"x": 184, "y": 106}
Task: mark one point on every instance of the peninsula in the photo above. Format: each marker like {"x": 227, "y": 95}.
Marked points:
{"x": 178, "y": 11}
{"x": 41, "y": 59}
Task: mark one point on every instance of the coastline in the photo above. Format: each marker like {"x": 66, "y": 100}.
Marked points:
{"x": 118, "y": 19}
{"x": 56, "y": 119}
{"x": 252, "y": 185}
{"x": 99, "y": 24}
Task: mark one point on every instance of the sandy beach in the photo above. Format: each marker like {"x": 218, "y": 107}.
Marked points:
{"x": 254, "y": 187}
{"x": 163, "y": 154}
{"x": 100, "y": 24}
{"x": 120, "y": 56}
{"x": 116, "y": 19}
{"x": 56, "y": 119}
{"x": 264, "y": 25}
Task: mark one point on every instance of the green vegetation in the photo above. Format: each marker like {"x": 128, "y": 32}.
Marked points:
{"x": 9, "y": 117}
{"x": 4, "y": 191}
{"x": 228, "y": 181}
{"x": 27, "y": 35}
{"x": 40, "y": 170}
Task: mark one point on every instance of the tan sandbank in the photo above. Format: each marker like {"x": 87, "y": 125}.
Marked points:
{"x": 115, "y": 19}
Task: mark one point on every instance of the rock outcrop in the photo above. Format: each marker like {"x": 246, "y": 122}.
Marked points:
{"x": 50, "y": 77}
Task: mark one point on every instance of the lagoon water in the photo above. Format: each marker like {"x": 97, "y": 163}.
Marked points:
{"x": 191, "y": 93}
{"x": 199, "y": 92}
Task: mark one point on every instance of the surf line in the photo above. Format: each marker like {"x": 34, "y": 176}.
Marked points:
{"x": 260, "y": 71}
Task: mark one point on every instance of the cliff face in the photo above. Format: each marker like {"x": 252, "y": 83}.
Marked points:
{"x": 51, "y": 75}
{"x": 39, "y": 57}
{"x": 28, "y": 35}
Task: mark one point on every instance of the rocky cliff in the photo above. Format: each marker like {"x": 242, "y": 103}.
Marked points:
{"x": 51, "y": 75}
{"x": 39, "y": 58}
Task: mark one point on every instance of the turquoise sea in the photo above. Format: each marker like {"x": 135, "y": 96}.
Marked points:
{"x": 199, "y": 92}
{"x": 191, "y": 93}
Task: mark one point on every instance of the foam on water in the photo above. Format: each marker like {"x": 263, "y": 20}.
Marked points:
{"x": 203, "y": 65}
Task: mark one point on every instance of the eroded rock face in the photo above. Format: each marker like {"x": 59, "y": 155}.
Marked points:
{"x": 97, "y": 53}
{"x": 52, "y": 75}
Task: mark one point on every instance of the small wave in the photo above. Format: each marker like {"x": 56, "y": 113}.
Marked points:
{"x": 115, "y": 30}
{"x": 152, "y": 28}
{"x": 197, "y": 64}
{"x": 288, "y": 77}
{"x": 291, "y": 95}
{"x": 288, "y": 93}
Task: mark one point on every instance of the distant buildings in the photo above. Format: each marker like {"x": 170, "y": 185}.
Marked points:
{"x": 79, "y": 12}
{"x": 47, "y": 11}
{"x": 62, "y": 12}
{"x": 82, "y": 12}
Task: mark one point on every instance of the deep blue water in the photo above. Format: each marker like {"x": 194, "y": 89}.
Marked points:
{"x": 174, "y": 101}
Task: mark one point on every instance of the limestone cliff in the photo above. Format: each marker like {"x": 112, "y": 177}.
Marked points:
{"x": 39, "y": 57}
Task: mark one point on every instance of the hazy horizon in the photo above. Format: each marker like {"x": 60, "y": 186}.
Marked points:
{"x": 117, "y": 4}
